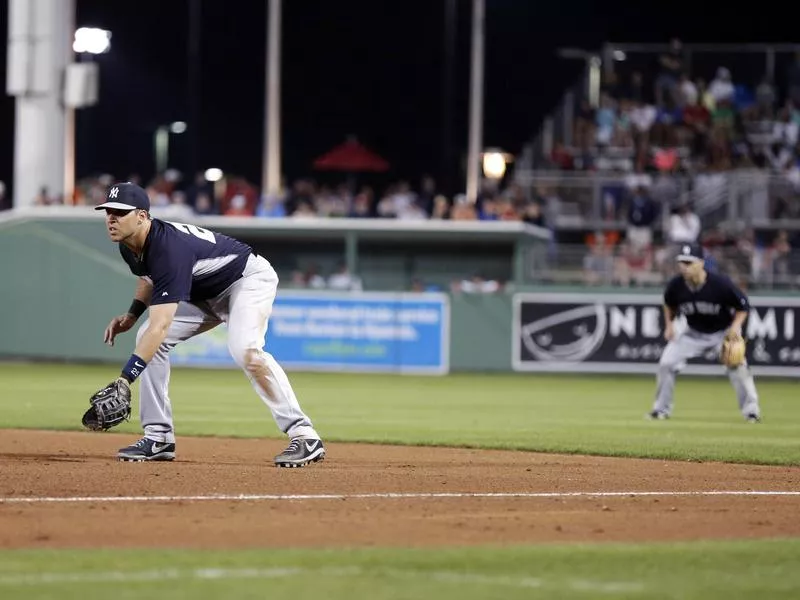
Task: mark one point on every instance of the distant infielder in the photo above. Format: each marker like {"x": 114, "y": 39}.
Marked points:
{"x": 715, "y": 309}
{"x": 192, "y": 280}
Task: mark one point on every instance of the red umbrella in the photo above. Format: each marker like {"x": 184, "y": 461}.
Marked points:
{"x": 353, "y": 157}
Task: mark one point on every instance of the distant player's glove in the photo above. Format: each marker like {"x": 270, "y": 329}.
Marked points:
{"x": 732, "y": 353}
{"x": 109, "y": 406}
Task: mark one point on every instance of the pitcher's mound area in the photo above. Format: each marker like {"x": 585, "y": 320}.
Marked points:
{"x": 68, "y": 490}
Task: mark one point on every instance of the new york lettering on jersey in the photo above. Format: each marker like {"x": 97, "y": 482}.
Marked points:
{"x": 709, "y": 308}
{"x": 187, "y": 263}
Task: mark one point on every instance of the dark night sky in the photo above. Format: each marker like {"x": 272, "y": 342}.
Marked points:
{"x": 365, "y": 67}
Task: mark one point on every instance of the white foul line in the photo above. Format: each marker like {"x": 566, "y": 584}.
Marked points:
{"x": 381, "y": 496}
{"x": 216, "y": 573}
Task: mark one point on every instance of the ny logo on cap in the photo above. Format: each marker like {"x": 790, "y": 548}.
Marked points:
{"x": 686, "y": 249}
{"x": 113, "y": 193}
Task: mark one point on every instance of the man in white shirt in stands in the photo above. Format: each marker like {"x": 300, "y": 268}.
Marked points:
{"x": 684, "y": 226}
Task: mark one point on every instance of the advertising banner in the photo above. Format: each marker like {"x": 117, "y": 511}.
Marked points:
{"x": 623, "y": 333}
{"x": 379, "y": 332}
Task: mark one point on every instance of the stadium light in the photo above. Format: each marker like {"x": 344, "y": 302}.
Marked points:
{"x": 494, "y": 163}
{"x": 178, "y": 127}
{"x": 91, "y": 40}
{"x": 213, "y": 175}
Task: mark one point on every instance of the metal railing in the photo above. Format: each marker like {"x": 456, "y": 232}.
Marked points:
{"x": 747, "y": 62}
{"x": 733, "y": 199}
{"x": 766, "y": 268}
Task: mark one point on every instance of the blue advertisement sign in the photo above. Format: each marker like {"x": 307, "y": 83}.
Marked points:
{"x": 381, "y": 332}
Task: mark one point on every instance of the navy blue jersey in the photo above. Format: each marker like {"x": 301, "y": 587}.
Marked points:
{"x": 185, "y": 262}
{"x": 709, "y": 308}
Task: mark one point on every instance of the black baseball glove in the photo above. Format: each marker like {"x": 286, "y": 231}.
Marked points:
{"x": 109, "y": 406}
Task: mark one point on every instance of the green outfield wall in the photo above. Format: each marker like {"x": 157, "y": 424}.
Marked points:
{"x": 62, "y": 281}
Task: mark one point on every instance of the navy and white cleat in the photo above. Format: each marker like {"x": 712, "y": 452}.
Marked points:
{"x": 301, "y": 452}
{"x": 147, "y": 449}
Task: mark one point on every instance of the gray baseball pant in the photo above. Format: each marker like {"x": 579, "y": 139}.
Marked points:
{"x": 691, "y": 344}
{"x": 245, "y": 306}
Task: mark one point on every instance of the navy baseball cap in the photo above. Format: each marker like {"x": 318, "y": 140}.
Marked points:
{"x": 690, "y": 253}
{"x": 125, "y": 196}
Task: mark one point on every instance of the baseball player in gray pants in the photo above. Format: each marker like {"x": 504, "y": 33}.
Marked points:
{"x": 191, "y": 280}
{"x": 713, "y": 307}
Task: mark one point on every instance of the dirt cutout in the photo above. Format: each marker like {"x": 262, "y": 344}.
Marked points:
{"x": 61, "y": 489}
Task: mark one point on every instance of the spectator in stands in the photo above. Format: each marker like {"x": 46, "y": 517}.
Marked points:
{"x": 721, "y": 88}
{"x": 533, "y": 214}
{"x": 427, "y": 194}
{"x": 400, "y": 202}
{"x": 598, "y": 264}
{"x": 670, "y": 67}
{"x": 343, "y": 280}
{"x": 304, "y": 211}
{"x": 477, "y": 284}
{"x": 199, "y": 186}
{"x": 687, "y": 91}
{"x": 684, "y": 226}
{"x": 781, "y": 153}
{"x": 308, "y": 278}
{"x": 562, "y": 158}
{"x": 204, "y": 204}
{"x": 778, "y": 257}
{"x": 748, "y": 254}
{"x": 237, "y": 207}
{"x": 623, "y": 130}
{"x": 488, "y": 209}
{"x": 634, "y": 265}
{"x": 642, "y": 215}
{"x": 362, "y": 207}
{"x": 766, "y": 98}
{"x": 271, "y": 206}
{"x": 178, "y": 209}
{"x": 606, "y": 121}
{"x": 463, "y": 209}
{"x": 302, "y": 193}
{"x": 668, "y": 117}
{"x": 441, "y": 208}
{"x": 332, "y": 203}
{"x": 696, "y": 123}
{"x": 643, "y": 117}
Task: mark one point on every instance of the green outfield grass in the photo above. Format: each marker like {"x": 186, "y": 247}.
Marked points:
{"x": 600, "y": 415}
{"x": 593, "y": 415}
{"x": 707, "y": 571}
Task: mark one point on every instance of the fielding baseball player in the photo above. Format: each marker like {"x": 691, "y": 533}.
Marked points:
{"x": 715, "y": 310}
{"x": 192, "y": 280}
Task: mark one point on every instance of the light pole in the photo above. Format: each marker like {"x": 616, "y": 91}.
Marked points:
{"x": 476, "y": 99}
{"x": 81, "y": 89}
{"x": 161, "y": 143}
{"x": 271, "y": 158}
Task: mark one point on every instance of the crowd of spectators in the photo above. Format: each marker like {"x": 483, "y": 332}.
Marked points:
{"x": 306, "y": 199}
{"x": 651, "y": 130}
{"x": 671, "y": 118}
